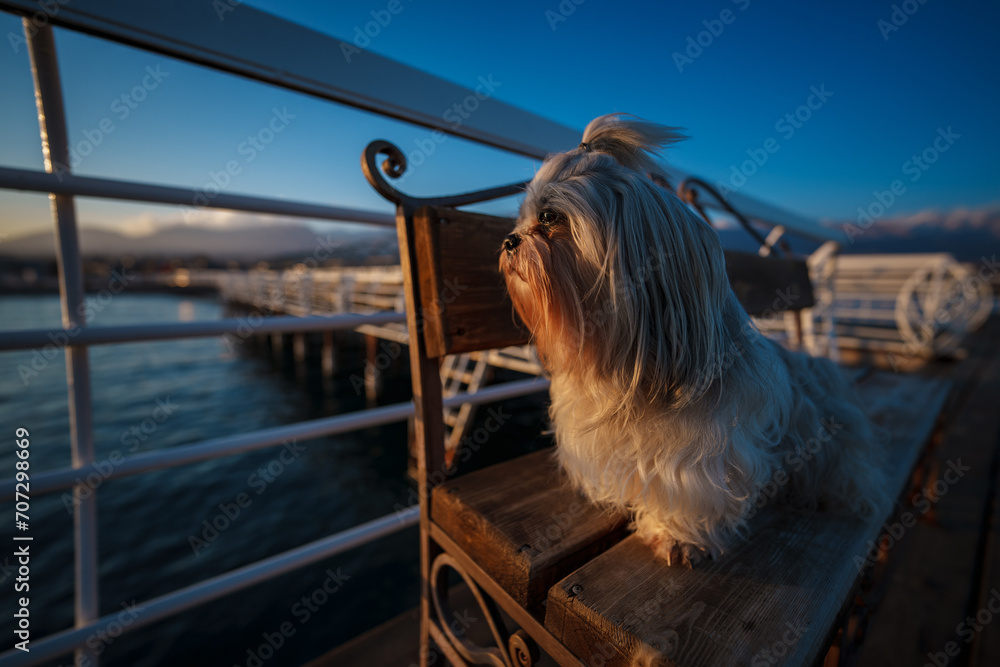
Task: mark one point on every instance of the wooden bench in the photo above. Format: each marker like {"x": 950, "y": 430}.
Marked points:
{"x": 779, "y": 597}
{"x": 566, "y": 573}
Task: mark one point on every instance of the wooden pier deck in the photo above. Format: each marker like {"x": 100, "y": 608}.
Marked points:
{"x": 935, "y": 601}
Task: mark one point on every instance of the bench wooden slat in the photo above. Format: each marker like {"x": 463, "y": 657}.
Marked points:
{"x": 523, "y": 524}
{"x": 464, "y": 299}
{"x": 780, "y": 592}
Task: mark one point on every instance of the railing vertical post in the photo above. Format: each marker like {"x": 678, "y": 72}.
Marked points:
{"x": 55, "y": 148}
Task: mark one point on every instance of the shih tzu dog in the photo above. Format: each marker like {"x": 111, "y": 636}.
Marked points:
{"x": 667, "y": 402}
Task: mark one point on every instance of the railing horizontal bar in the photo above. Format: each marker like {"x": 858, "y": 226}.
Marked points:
{"x": 88, "y": 186}
{"x": 499, "y": 392}
{"x": 240, "y": 327}
{"x": 63, "y": 478}
{"x": 181, "y": 600}
{"x": 267, "y": 48}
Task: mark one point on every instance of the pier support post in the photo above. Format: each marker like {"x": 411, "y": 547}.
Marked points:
{"x": 299, "y": 351}
{"x": 373, "y": 374}
{"x": 326, "y": 352}
{"x": 278, "y": 346}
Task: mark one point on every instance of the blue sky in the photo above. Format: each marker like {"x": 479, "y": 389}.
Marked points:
{"x": 885, "y": 96}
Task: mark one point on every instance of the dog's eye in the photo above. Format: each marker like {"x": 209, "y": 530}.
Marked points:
{"x": 548, "y": 217}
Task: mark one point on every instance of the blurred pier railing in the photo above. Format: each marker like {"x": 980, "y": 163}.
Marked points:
{"x": 311, "y": 291}
{"x": 904, "y": 306}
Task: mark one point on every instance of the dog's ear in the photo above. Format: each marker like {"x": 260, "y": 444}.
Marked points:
{"x": 631, "y": 141}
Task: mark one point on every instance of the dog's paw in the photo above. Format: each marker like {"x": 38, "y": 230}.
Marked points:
{"x": 676, "y": 553}
{"x": 647, "y": 656}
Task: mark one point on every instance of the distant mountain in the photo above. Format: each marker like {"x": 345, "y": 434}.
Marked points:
{"x": 249, "y": 243}
{"x": 968, "y": 234}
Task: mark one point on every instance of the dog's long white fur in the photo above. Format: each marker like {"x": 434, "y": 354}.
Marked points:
{"x": 666, "y": 401}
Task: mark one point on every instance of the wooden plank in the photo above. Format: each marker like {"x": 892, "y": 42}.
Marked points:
{"x": 428, "y": 423}
{"x": 769, "y": 284}
{"x": 777, "y": 596}
{"x": 465, "y": 302}
{"x": 934, "y": 575}
{"x": 895, "y": 262}
{"x": 523, "y": 524}
{"x": 984, "y": 423}
{"x": 984, "y": 428}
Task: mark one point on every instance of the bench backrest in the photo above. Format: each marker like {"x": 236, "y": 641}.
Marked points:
{"x": 463, "y": 296}
{"x": 766, "y": 285}
{"x": 464, "y": 300}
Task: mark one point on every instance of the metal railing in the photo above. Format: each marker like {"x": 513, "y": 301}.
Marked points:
{"x": 62, "y": 189}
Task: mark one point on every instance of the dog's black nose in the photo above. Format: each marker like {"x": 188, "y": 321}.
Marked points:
{"x": 511, "y": 242}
